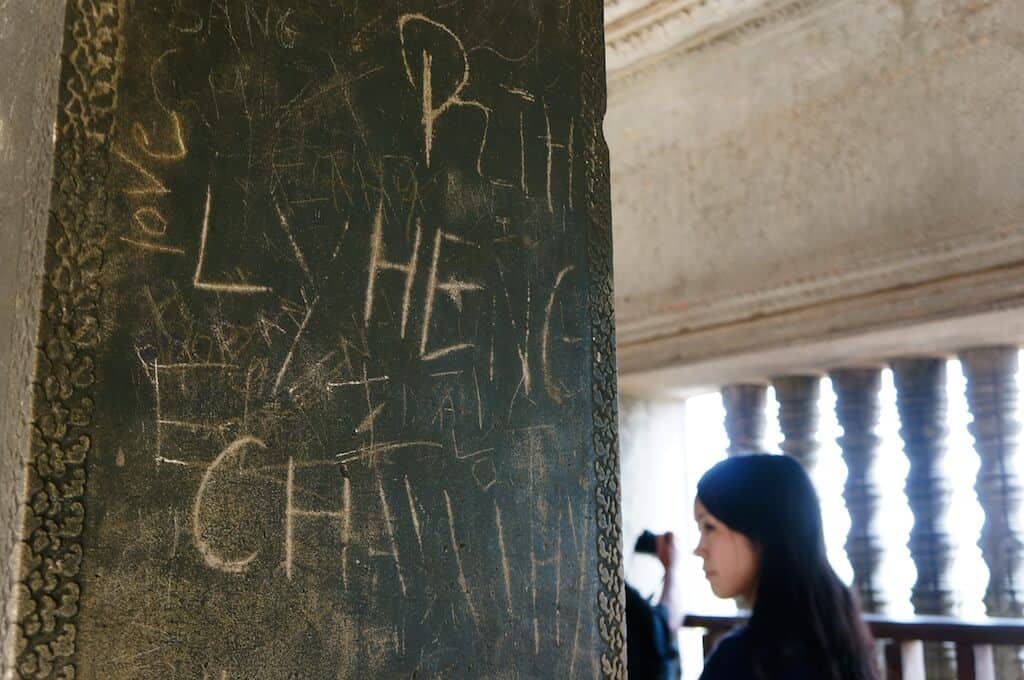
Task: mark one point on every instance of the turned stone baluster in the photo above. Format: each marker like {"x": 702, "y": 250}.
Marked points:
{"x": 991, "y": 374}
{"x": 857, "y": 410}
{"x": 921, "y": 402}
{"x": 798, "y": 416}
{"x": 745, "y": 417}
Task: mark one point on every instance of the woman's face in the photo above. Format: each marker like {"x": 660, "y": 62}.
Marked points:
{"x": 731, "y": 560}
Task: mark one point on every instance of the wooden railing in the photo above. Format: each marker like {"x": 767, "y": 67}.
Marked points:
{"x": 901, "y": 640}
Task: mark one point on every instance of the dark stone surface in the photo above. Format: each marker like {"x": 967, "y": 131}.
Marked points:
{"x": 326, "y": 387}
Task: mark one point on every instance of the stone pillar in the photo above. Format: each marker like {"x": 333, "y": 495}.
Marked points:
{"x": 744, "y": 416}
{"x": 857, "y": 410}
{"x": 325, "y": 382}
{"x": 921, "y": 402}
{"x": 798, "y": 416}
{"x": 992, "y": 389}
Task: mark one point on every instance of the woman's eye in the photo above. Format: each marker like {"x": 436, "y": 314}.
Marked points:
{"x": 708, "y": 527}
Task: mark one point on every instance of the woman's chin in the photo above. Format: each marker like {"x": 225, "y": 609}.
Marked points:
{"x": 721, "y": 593}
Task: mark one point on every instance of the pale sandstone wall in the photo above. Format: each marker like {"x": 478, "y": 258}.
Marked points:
{"x": 820, "y": 170}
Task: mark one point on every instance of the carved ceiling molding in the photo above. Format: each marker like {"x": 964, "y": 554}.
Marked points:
{"x": 641, "y": 29}
{"x": 641, "y": 35}
{"x": 616, "y": 10}
{"x": 935, "y": 319}
{"x": 671, "y": 313}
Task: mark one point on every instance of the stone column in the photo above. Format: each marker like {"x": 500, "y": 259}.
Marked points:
{"x": 921, "y": 401}
{"x": 991, "y": 374}
{"x": 798, "y": 416}
{"x": 857, "y": 409}
{"x": 325, "y": 375}
{"x": 744, "y": 416}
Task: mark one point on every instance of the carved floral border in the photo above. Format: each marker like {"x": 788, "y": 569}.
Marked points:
{"x": 48, "y": 585}
{"x": 601, "y": 315}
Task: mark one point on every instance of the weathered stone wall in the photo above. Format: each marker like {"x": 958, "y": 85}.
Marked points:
{"x": 30, "y": 38}
{"x": 326, "y": 381}
{"x": 817, "y": 169}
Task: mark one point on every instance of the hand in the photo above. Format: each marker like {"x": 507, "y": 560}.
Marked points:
{"x": 665, "y": 548}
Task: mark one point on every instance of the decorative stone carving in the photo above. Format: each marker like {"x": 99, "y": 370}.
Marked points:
{"x": 642, "y": 33}
{"x": 921, "y": 402}
{"x": 992, "y": 388}
{"x": 857, "y": 409}
{"x": 32, "y": 34}
{"x": 611, "y": 595}
{"x": 798, "y": 416}
{"x": 744, "y": 416}
{"x": 47, "y": 598}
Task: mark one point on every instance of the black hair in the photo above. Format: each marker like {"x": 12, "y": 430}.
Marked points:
{"x": 801, "y": 608}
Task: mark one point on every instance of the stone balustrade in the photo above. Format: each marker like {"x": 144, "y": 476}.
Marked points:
{"x": 921, "y": 403}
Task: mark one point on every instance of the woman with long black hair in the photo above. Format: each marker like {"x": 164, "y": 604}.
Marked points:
{"x": 762, "y": 541}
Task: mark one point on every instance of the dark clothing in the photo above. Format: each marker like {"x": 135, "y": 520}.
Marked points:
{"x": 731, "y": 659}
{"x": 652, "y": 648}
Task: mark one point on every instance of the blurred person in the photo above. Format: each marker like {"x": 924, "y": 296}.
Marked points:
{"x": 652, "y": 646}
